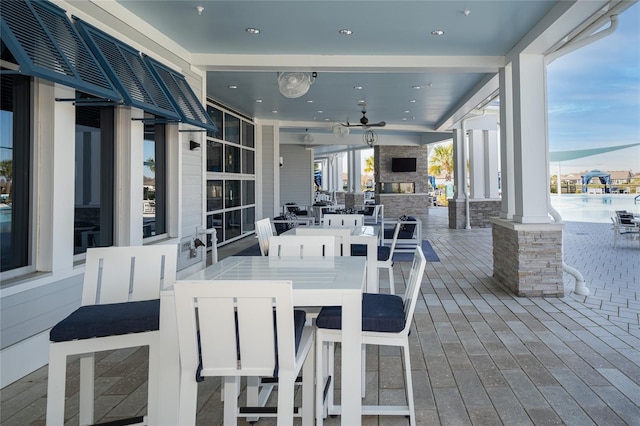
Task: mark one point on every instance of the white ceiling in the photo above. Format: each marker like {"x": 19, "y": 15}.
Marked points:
{"x": 390, "y": 51}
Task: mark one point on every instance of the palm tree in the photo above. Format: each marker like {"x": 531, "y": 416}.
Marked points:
{"x": 369, "y": 165}
{"x": 442, "y": 161}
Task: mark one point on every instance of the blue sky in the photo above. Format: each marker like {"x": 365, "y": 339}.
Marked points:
{"x": 594, "y": 99}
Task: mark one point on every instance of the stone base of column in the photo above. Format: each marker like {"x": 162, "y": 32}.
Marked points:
{"x": 481, "y": 212}
{"x": 527, "y": 258}
{"x": 457, "y": 217}
{"x": 353, "y": 199}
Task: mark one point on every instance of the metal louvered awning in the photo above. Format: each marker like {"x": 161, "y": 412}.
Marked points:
{"x": 180, "y": 93}
{"x": 45, "y": 44}
{"x": 130, "y": 74}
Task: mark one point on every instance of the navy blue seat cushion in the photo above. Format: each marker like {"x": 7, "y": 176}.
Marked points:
{"x": 380, "y": 312}
{"x": 299, "y": 320}
{"x": 108, "y": 320}
{"x": 280, "y": 227}
{"x": 406, "y": 230}
{"x": 361, "y": 250}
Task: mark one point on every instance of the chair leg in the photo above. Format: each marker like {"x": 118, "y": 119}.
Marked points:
{"x": 320, "y": 381}
{"x": 286, "y": 383}
{"x": 152, "y": 387}
{"x": 392, "y": 285}
{"x": 231, "y": 386}
{"x": 56, "y": 386}
{"x": 87, "y": 385}
{"x": 187, "y": 406}
{"x": 307, "y": 386}
{"x": 409, "y": 384}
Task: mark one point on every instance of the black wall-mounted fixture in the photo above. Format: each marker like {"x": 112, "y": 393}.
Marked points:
{"x": 193, "y": 145}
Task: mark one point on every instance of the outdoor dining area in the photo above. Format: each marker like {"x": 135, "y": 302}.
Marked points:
{"x": 257, "y": 322}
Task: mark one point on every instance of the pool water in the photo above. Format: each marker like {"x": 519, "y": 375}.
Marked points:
{"x": 596, "y": 208}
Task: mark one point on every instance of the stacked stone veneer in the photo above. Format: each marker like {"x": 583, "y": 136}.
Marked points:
{"x": 480, "y": 212}
{"x": 395, "y": 205}
{"x": 353, "y": 200}
{"x": 527, "y": 258}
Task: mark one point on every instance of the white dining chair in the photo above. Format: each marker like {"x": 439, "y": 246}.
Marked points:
{"x": 264, "y": 230}
{"x": 301, "y": 246}
{"x": 386, "y": 321}
{"x": 385, "y": 257}
{"x": 234, "y": 329}
{"x": 120, "y": 308}
{"x": 342, "y": 220}
{"x": 342, "y": 237}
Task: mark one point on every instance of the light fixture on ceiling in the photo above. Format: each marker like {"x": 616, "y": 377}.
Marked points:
{"x": 437, "y": 32}
{"x": 339, "y": 131}
{"x": 295, "y": 84}
{"x": 199, "y": 9}
{"x": 370, "y": 137}
{"x": 252, "y": 30}
{"x": 307, "y": 137}
{"x": 345, "y": 32}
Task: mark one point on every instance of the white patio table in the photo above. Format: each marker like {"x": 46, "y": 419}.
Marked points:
{"x": 337, "y": 281}
{"x": 369, "y": 235}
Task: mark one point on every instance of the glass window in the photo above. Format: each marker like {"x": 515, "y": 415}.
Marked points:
{"x": 94, "y": 178}
{"x": 248, "y": 219}
{"x": 247, "y": 134}
{"x": 214, "y": 156}
{"x": 214, "y": 195}
{"x": 232, "y": 159}
{"x": 248, "y": 192}
{"x": 15, "y": 154}
{"x": 154, "y": 180}
{"x": 232, "y": 194}
{"x": 216, "y": 117}
{"x": 232, "y": 224}
{"x": 231, "y": 128}
{"x": 248, "y": 164}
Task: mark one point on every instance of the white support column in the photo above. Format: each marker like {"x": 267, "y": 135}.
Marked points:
{"x": 491, "y": 164}
{"x": 531, "y": 146}
{"x": 506, "y": 143}
{"x": 459, "y": 186}
{"x": 357, "y": 171}
{"x": 476, "y": 164}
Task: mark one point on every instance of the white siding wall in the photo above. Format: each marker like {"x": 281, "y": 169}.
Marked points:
{"x": 296, "y": 175}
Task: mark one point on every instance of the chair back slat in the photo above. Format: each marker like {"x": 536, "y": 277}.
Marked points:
{"x": 123, "y": 274}
{"x": 342, "y": 220}
{"x": 264, "y": 230}
{"x": 233, "y": 324}
{"x": 301, "y": 246}
{"x": 413, "y": 286}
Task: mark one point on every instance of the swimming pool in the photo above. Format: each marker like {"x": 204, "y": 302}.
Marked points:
{"x": 595, "y": 208}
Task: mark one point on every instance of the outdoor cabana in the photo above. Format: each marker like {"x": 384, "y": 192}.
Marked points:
{"x": 604, "y": 177}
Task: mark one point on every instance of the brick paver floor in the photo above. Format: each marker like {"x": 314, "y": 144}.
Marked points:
{"x": 479, "y": 354}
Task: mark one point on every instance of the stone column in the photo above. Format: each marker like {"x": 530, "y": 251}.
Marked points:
{"x": 527, "y": 250}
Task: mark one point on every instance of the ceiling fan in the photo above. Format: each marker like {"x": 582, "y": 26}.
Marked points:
{"x": 364, "y": 121}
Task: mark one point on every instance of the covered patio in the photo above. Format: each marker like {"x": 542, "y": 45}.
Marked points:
{"x": 479, "y": 355}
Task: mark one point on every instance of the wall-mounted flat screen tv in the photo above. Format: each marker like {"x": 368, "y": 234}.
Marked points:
{"x": 403, "y": 164}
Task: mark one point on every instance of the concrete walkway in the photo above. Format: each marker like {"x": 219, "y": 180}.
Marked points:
{"x": 479, "y": 354}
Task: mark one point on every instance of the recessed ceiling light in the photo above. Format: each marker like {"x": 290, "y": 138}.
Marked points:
{"x": 404, "y": 118}
{"x": 361, "y": 102}
{"x": 437, "y": 32}
{"x": 232, "y": 86}
{"x": 253, "y": 30}
{"x": 320, "y": 111}
{"x": 199, "y": 9}
{"x": 406, "y": 111}
{"x": 416, "y": 87}
{"x": 326, "y": 119}
{"x": 345, "y": 32}
{"x": 258, "y": 101}
{"x": 466, "y": 12}
{"x": 275, "y": 111}
{"x": 413, "y": 101}
{"x": 310, "y": 101}
{"x": 357, "y": 87}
